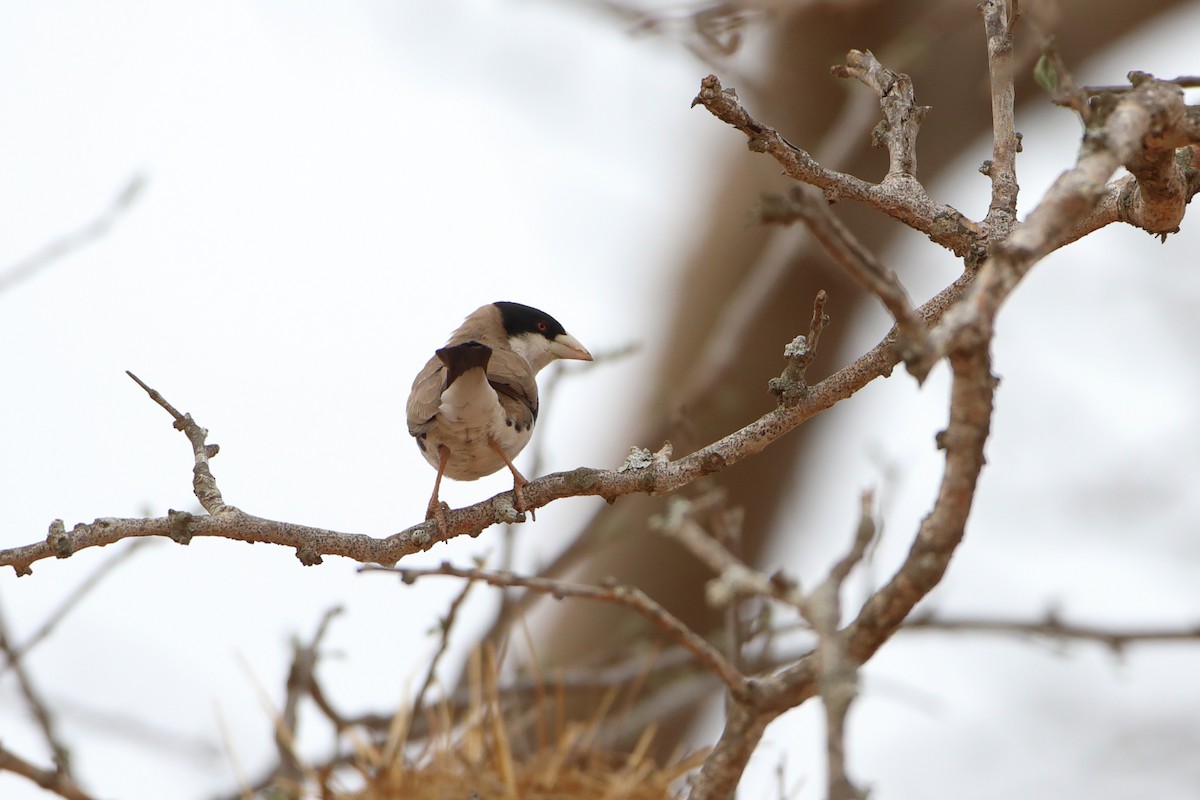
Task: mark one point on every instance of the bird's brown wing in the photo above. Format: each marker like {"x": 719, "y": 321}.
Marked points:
{"x": 510, "y": 376}
{"x": 426, "y": 396}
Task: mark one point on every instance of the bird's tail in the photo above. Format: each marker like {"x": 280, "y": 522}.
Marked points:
{"x": 460, "y": 358}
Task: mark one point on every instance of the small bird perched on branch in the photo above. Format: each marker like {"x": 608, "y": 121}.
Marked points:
{"x": 473, "y": 406}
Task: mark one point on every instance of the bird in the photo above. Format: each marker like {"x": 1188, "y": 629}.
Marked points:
{"x": 473, "y": 407}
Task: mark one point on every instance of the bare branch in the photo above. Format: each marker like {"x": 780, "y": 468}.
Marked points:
{"x": 300, "y": 683}
{"x": 881, "y": 616}
{"x": 627, "y": 596}
{"x": 791, "y": 387}
{"x": 902, "y": 115}
{"x": 904, "y": 200}
{"x": 971, "y": 396}
{"x": 1119, "y": 201}
{"x": 64, "y": 246}
{"x": 807, "y": 204}
{"x": 51, "y": 780}
{"x": 1163, "y": 185}
{"x": 655, "y": 476}
{"x": 1183, "y": 81}
{"x": 722, "y": 770}
{"x": 1051, "y": 627}
{"x": 737, "y": 316}
{"x": 203, "y": 482}
{"x": 1147, "y": 117}
{"x": 837, "y": 673}
{"x": 864, "y": 535}
{"x": 830, "y": 670}
{"x": 735, "y": 579}
{"x": 69, "y": 603}
{"x": 445, "y": 626}
{"x": 38, "y": 707}
{"x": 1002, "y": 213}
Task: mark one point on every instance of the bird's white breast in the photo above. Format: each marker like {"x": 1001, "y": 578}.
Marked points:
{"x": 470, "y": 413}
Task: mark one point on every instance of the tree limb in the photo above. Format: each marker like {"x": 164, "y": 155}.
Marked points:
{"x": 903, "y": 199}
{"x": 657, "y": 475}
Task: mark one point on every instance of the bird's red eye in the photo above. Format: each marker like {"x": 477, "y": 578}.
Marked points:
{"x": 542, "y": 327}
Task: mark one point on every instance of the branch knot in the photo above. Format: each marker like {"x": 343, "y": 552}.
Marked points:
{"x": 59, "y": 541}
{"x": 179, "y": 526}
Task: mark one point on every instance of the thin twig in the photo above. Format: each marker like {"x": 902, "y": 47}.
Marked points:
{"x": 65, "y": 245}
{"x": 51, "y": 780}
{"x": 735, "y": 579}
{"x": 36, "y": 704}
{"x": 837, "y": 673}
{"x": 70, "y": 602}
{"x": 1183, "y": 81}
{"x": 1052, "y": 627}
{"x": 300, "y": 682}
{"x": 902, "y": 115}
{"x": 445, "y": 625}
{"x": 1119, "y": 135}
{"x": 555, "y": 373}
{"x": 627, "y": 596}
{"x": 904, "y": 199}
{"x": 203, "y": 482}
{"x": 971, "y": 398}
{"x": 726, "y": 337}
{"x": 865, "y": 534}
{"x": 1002, "y": 213}
{"x": 809, "y": 205}
{"x": 792, "y": 385}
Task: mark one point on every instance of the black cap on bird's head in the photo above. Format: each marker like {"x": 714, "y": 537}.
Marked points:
{"x": 519, "y": 319}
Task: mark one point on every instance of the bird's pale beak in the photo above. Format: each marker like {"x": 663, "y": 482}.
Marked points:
{"x": 567, "y": 346}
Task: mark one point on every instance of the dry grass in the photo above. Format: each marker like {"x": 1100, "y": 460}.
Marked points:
{"x": 495, "y": 752}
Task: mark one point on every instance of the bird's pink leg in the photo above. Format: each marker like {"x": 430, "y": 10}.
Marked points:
{"x": 519, "y": 481}
{"x": 437, "y": 509}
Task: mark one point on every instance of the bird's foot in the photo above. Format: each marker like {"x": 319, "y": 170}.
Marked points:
{"x": 437, "y": 511}
{"x": 519, "y": 496}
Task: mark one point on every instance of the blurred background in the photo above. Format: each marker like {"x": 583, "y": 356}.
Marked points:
{"x": 308, "y": 199}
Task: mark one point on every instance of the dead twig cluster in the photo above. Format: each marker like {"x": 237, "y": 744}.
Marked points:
{"x": 498, "y": 740}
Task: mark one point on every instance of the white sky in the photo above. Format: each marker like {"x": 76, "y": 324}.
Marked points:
{"x": 312, "y": 171}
